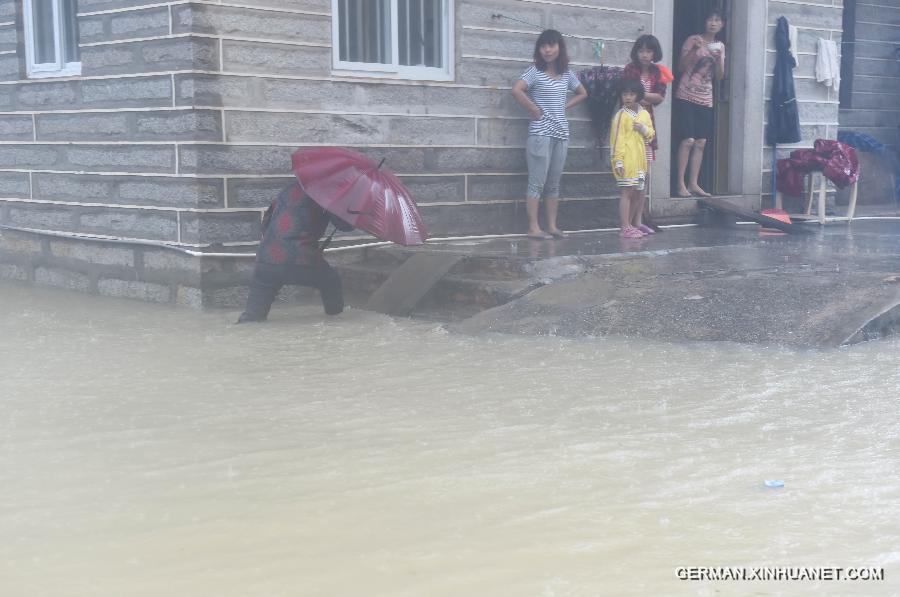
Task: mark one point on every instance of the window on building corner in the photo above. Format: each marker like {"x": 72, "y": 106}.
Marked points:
{"x": 408, "y": 39}
{"x": 51, "y": 38}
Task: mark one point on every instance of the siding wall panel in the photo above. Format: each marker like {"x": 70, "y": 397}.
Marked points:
{"x": 874, "y": 108}
{"x": 818, "y": 105}
{"x": 175, "y": 117}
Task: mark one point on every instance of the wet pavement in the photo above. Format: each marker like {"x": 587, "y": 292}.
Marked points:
{"x": 840, "y": 284}
{"x": 880, "y": 234}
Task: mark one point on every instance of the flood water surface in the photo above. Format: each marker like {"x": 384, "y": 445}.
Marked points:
{"x": 147, "y": 451}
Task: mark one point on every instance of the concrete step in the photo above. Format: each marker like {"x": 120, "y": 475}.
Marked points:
{"x": 475, "y": 266}
{"x": 454, "y": 296}
{"x": 408, "y": 284}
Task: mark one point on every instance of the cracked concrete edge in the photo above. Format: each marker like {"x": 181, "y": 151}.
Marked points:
{"x": 878, "y": 316}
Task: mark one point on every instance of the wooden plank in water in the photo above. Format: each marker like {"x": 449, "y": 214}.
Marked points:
{"x": 407, "y": 284}
{"x": 731, "y": 208}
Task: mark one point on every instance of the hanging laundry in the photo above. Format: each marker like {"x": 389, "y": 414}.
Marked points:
{"x": 784, "y": 116}
{"x": 828, "y": 64}
{"x": 794, "y": 37}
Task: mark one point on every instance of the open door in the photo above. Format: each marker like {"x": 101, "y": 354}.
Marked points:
{"x": 688, "y": 20}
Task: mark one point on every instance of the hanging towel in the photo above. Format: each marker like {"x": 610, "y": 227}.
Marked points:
{"x": 793, "y": 36}
{"x": 828, "y": 64}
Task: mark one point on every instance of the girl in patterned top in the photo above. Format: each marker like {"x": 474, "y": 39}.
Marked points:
{"x": 645, "y": 53}
{"x": 542, "y": 90}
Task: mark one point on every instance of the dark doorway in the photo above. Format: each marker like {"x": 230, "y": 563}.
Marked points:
{"x": 689, "y": 20}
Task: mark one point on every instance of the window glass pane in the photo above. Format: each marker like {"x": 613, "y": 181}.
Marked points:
{"x": 44, "y": 44}
{"x": 70, "y": 30}
{"x": 365, "y": 31}
{"x": 421, "y": 32}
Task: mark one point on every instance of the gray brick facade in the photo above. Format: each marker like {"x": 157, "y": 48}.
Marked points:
{"x": 817, "y": 104}
{"x": 181, "y": 125}
{"x": 871, "y": 106}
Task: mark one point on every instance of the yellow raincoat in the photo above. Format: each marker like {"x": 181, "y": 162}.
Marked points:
{"x": 626, "y": 146}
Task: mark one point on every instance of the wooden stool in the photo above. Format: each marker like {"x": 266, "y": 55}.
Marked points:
{"x": 823, "y": 219}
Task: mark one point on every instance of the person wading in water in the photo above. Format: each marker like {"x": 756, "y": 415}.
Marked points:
{"x": 290, "y": 253}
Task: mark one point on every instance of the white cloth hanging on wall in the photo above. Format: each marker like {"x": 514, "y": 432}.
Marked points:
{"x": 828, "y": 64}
{"x": 793, "y": 36}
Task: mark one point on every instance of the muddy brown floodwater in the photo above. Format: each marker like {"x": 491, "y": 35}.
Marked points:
{"x": 148, "y": 451}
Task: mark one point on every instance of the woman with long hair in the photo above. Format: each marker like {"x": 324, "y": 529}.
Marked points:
{"x": 542, "y": 90}
{"x": 701, "y": 63}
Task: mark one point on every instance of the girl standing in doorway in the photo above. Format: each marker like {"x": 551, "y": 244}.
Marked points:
{"x": 702, "y": 61}
{"x": 629, "y": 133}
{"x": 542, "y": 90}
{"x": 645, "y": 53}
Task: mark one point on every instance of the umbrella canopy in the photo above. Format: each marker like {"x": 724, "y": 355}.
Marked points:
{"x": 361, "y": 192}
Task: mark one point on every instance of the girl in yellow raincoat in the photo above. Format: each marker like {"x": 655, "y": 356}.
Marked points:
{"x": 631, "y": 128}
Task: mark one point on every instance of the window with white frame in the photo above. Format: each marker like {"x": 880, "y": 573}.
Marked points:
{"x": 400, "y": 38}
{"x": 51, "y": 38}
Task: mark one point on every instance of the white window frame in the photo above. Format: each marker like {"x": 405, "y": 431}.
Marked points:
{"x": 47, "y": 69}
{"x": 395, "y": 70}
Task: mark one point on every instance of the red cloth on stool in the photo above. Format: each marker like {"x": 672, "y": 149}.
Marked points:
{"x": 836, "y": 160}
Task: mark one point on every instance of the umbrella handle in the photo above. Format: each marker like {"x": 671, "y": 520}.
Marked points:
{"x": 328, "y": 240}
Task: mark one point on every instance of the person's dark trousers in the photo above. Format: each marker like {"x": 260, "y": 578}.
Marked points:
{"x": 268, "y": 280}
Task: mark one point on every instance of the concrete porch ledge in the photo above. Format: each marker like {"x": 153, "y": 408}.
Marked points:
{"x": 839, "y": 285}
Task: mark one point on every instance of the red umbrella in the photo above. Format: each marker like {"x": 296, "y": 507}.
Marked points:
{"x": 361, "y": 192}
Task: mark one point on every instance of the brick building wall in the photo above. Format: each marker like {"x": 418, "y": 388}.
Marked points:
{"x": 455, "y": 144}
{"x": 181, "y": 125}
{"x": 99, "y": 153}
{"x": 818, "y": 104}
{"x": 874, "y": 107}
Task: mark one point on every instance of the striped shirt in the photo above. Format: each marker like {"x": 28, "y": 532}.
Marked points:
{"x": 549, "y": 95}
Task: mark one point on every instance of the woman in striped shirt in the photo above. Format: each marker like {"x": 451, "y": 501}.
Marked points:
{"x": 542, "y": 90}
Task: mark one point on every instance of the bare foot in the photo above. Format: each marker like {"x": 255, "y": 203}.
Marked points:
{"x": 683, "y": 192}
{"x": 696, "y": 190}
{"x": 537, "y": 234}
{"x": 556, "y": 233}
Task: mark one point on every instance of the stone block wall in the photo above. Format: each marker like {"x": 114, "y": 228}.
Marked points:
{"x": 874, "y": 107}
{"x": 458, "y": 145}
{"x": 132, "y": 270}
{"x": 181, "y": 126}
{"x": 183, "y": 121}
{"x": 101, "y": 153}
{"x": 818, "y": 105}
